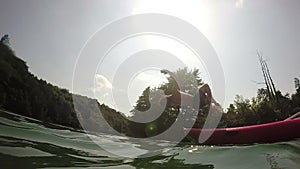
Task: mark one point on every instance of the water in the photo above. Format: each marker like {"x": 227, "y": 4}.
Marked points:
{"x": 27, "y": 143}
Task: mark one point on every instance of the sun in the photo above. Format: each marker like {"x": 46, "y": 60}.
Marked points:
{"x": 199, "y": 13}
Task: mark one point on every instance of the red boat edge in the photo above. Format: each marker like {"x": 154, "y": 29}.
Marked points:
{"x": 263, "y": 133}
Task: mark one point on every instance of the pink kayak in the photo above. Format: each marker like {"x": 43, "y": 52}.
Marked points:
{"x": 262, "y": 133}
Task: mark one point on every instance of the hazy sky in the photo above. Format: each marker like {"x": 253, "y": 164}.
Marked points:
{"x": 49, "y": 36}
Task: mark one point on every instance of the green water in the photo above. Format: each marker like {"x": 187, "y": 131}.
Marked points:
{"x": 27, "y": 143}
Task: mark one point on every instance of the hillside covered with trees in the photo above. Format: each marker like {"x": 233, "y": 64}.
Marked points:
{"x": 23, "y": 93}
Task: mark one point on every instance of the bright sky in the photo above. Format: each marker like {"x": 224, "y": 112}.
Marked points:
{"x": 49, "y": 36}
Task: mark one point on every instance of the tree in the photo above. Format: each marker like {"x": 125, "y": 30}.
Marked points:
{"x": 296, "y": 97}
{"x": 143, "y": 102}
{"x": 267, "y": 77}
{"x": 187, "y": 81}
{"x": 5, "y": 40}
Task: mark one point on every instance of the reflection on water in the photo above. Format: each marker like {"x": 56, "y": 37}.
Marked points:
{"x": 271, "y": 159}
{"x": 27, "y": 143}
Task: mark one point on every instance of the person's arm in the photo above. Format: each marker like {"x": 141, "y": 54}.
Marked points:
{"x": 183, "y": 99}
{"x": 179, "y": 98}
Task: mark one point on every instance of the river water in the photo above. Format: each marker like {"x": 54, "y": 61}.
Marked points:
{"x": 28, "y": 143}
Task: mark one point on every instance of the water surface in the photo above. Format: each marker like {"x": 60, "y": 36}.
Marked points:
{"x": 28, "y": 143}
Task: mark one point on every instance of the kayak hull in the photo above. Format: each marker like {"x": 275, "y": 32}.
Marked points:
{"x": 263, "y": 133}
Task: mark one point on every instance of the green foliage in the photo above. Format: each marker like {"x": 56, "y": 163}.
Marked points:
{"x": 296, "y": 100}
{"x": 143, "y": 102}
{"x": 5, "y": 40}
{"x": 260, "y": 109}
{"x": 189, "y": 82}
{"x": 23, "y": 93}
{"x": 89, "y": 113}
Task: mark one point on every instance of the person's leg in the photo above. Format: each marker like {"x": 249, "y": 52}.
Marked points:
{"x": 180, "y": 98}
